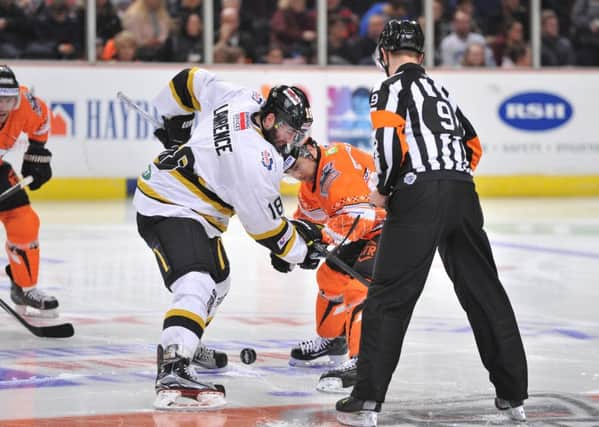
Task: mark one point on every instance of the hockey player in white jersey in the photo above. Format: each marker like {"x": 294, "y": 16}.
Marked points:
{"x": 230, "y": 165}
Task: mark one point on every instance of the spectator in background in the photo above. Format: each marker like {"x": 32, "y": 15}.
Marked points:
{"x": 517, "y": 56}
{"x": 121, "y": 7}
{"x": 350, "y": 20}
{"x": 187, "y": 44}
{"x": 274, "y": 55}
{"x": 108, "y": 23}
{"x": 555, "y": 50}
{"x": 442, "y": 27}
{"x": 294, "y": 28}
{"x": 125, "y": 46}
{"x": 30, "y": 7}
{"x": 229, "y": 33}
{"x": 254, "y": 18}
{"x": 149, "y": 22}
{"x": 467, "y": 6}
{"x": 365, "y": 46}
{"x": 359, "y": 7}
{"x": 563, "y": 11}
{"x": 454, "y": 45}
{"x": 511, "y": 10}
{"x": 585, "y": 16}
{"x": 179, "y": 9}
{"x": 474, "y": 55}
{"x": 224, "y": 54}
{"x": 513, "y": 35}
{"x": 483, "y": 10}
{"x": 15, "y": 29}
{"x": 339, "y": 50}
{"x": 58, "y": 32}
{"x": 393, "y": 9}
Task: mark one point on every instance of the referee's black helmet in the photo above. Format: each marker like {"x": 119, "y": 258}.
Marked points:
{"x": 398, "y": 35}
{"x": 402, "y": 35}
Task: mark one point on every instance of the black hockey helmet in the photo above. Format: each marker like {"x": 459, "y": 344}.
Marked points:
{"x": 291, "y": 106}
{"x": 292, "y": 152}
{"x": 399, "y": 35}
{"x": 9, "y": 86}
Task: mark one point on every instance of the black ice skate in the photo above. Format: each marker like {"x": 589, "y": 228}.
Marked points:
{"x": 352, "y": 411}
{"x": 178, "y": 388}
{"x": 307, "y": 352}
{"x": 209, "y": 358}
{"x": 340, "y": 379}
{"x": 32, "y": 302}
{"x": 514, "y": 408}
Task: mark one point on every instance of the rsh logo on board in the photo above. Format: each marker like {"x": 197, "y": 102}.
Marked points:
{"x": 62, "y": 118}
{"x": 535, "y": 111}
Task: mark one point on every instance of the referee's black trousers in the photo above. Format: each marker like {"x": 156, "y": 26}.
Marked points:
{"x": 441, "y": 214}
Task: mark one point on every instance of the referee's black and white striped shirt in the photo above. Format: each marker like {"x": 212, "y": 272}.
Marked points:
{"x": 419, "y": 131}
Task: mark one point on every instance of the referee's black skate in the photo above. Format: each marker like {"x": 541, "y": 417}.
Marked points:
{"x": 178, "y": 387}
{"x": 352, "y": 411}
{"x": 31, "y": 302}
{"x": 310, "y": 351}
{"x": 340, "y": 379}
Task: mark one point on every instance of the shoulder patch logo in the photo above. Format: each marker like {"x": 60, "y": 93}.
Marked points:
{"x": 257, "y": 98}
{"x": 329, "y": 174}
{"x": 33, "y": 102}
{"x": 267, "y": 160}
{"x": 147, "y": 174}
{"x": 410, "y": 178}
{"x": 332, "y": 150}
{"x": 241, "y": 121}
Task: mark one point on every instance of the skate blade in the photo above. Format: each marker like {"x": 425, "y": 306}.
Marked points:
{"x": 173, "y": 400}
{"x": 332, "y": 385}
{"x": 515, "y": 414}
{"x": 358, "y": 419}
{"x": 27, "y": 311}
{"x": 320, "y": 362}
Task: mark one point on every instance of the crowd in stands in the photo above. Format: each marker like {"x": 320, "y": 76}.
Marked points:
{"x": 468, "y": 33}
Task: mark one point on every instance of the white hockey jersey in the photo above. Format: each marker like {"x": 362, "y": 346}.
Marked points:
{"x": 226, "y": 168}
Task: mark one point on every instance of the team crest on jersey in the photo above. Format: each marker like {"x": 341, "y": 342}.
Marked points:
{"x": 147, "y": 174}
{"x": 267, "y": 160}
{"x": 329, "y": 174}
{"x": 241, "y": 121}
{"x": 257, "y": 97}
{"x": 33, "y": 102}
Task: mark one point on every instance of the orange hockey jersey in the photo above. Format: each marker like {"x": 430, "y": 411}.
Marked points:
{"x": 344, "y": 179}
{"x": 30, "y": 116}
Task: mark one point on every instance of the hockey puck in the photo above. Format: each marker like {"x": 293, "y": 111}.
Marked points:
{"x": 248, "y": 356}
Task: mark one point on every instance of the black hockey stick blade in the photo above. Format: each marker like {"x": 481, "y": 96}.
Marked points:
{"x": 62, "y": 330}
{"x": 16, "y": 188}
{"x": 332, "y": 256}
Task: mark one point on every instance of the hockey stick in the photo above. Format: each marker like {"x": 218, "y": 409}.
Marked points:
{"x": 132, "y": 105}
{"x": 15, "y": 188}
{"x": 332, "y": 256}
{"x": 62, "y": 330}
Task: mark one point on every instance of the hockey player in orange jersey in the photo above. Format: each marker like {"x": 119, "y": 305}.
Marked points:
{"x": 335, "y": 184}
{"x": 21, "y": 112}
